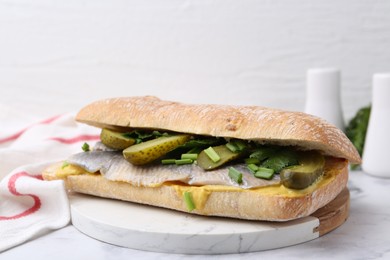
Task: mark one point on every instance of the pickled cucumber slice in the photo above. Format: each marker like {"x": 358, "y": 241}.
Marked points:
{"x": 115, "y": 140}
{"x": 310, "y": 168}
{"x": 146, "y": 152}
{"x": 225, "y": 154}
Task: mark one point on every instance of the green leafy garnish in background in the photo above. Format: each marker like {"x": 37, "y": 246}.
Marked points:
{"x": 357, "y": 128}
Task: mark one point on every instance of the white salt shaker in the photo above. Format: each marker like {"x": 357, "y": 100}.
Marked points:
{"x": 376, "y": 154}
{"x": 323, "y": 95}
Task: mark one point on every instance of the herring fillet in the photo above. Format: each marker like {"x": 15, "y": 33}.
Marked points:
{"x": 113, "y": 166}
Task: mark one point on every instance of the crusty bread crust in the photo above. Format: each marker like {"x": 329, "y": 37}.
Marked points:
{"x": 261, "y": 124}
{"x": 245, "y": 204}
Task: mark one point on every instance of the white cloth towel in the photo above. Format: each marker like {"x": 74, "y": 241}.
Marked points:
{"x": 30, "y": 206}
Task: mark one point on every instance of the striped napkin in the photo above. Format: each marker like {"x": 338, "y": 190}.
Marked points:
{"x": 30, "y": 206}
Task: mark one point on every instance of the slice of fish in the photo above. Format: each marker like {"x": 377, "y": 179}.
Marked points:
{"x": 121, "y": 170}
{"x": 220, "y": 176}
{"x": 114, "y": 167}
{"x": 93, "y": 161}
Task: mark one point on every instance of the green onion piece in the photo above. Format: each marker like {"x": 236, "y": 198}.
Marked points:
{"x": 212, "y": 154}
{"x": 232, "y": 147}
{"x": 85, "y": 147}
{"x": 235, "y": 175}
{"x": 241, "y": 145}
{"x": 183, "y": 161}
{"x": 192, "y": 156}
{"x": 65, "y": 164}
{"x": 236, "y": 146}
{"x": 264, "y": 173}
{"x": 253, "y": 168}
{"x": 188, "y": 200}
{"x": 252, "y": 161}
{"x": 168, "y": 161}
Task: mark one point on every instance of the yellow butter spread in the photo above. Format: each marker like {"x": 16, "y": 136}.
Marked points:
{"x": 68, "y": 169}
{"x": 200, "y": 194}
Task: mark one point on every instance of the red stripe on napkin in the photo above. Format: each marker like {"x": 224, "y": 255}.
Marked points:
{"x": 12, "y": 189}
{"x": 72, "y": 140}
{"x": 18, "y": 134}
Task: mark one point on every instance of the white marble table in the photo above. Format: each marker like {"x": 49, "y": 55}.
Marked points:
{"x": 365, "y": 235}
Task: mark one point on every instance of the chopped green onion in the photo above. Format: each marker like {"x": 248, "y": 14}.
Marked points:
{"x": 65, "y": 164}
{"x": 235, "y": 175}
{"x": 85, "y": 147}
{"x": 212, "y": 154}
{"x": 192, "y": 156}
{"x": 253, "y": 168}
{"x": 236, "y": 146}
{"x": 183, "y": 161}
{"x": 264, "y": 173}
{"x": 232, "y": 147}
{"x": 241, "y": 145}
{"x": 252, "y": 161}
{"x": 168, "y": 161}
{"x": 188, "y": 200}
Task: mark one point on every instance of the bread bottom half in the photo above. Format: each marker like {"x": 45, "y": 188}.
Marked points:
{"x": 271, "y": 203}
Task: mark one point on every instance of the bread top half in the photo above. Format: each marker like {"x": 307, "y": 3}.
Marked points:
{"x": 259, "y": 124}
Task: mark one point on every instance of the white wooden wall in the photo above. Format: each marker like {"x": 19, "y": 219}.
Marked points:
{"x": 57, "y": 55}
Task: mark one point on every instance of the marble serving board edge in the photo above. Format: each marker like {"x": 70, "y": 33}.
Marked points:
{"x": 161, "y": 230}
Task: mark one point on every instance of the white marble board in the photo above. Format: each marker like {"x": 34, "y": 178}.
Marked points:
{"x": 161, "y": 230}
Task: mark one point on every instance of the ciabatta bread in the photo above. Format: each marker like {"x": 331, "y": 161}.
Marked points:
{"x": 260, "y": 124}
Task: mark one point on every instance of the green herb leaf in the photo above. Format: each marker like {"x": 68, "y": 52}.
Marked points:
{"x": 143, "y": 135}
{"x": 195, "y": 146}
{"x": 85, "y": 147}
{"x": 280, "y": 160}
{"x": 188, "y": 201}
{"x": 264, "y": 152}
{"x": 202, "y": 143}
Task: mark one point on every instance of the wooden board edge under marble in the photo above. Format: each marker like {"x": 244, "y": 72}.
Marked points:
{"x": 334, "y": 214}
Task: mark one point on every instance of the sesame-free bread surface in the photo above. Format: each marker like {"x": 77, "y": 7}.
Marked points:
{"x": 260, "y": 124}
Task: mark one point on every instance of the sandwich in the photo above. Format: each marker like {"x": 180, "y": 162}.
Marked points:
{"x": 244, "y": 162}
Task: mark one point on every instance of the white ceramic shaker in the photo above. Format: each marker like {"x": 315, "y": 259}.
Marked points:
{"x": 323, "y": 97}
{"x": 376, "y": 154}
